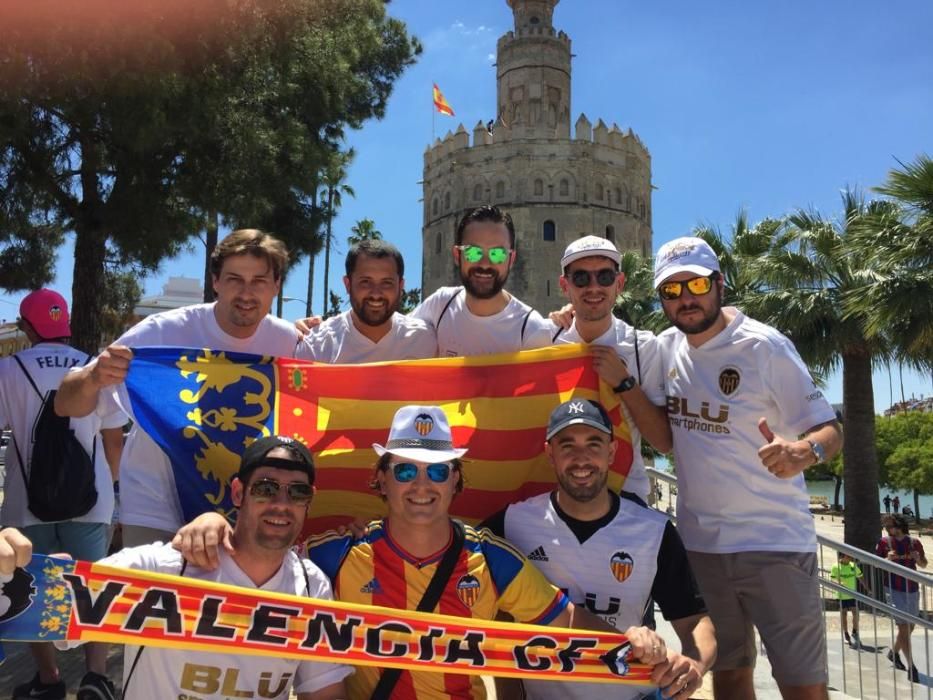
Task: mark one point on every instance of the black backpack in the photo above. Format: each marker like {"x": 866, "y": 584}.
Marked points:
{"x": 60, "y": 485}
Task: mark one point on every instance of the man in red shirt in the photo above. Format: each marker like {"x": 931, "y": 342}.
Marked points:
{"x": 902, "y": 593}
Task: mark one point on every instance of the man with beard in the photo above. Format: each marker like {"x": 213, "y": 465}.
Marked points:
{"x": 372, "y": 330}
{"x": 624, "y": 358}
{"x": 247, "y": 268}
{"x": 272, "y": 492}
{"x": 611, "y": 554}
{"x": 480, "y": 317}
{"x": 735, "y": 388}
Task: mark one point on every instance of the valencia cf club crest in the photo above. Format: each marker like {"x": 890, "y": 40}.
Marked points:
{"x": 621, "y": 566}
{"x": 729, "y": 379}
{"x": 16, "y": 593}
{"x": 55, "y": 312}
{"x": 424, "y": 424}
{"x": 468, "y": 590}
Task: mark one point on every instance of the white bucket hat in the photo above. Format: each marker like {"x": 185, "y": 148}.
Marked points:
{"x": 421, "y": 433}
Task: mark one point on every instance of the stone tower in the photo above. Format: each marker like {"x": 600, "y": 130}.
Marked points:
{"x": 556, "y": 186}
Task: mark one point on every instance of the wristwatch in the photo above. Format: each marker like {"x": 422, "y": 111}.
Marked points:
{"x": 625, "y": 384}
{"x": 818, "y": 451}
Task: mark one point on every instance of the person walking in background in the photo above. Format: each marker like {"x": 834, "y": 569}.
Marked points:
{"x": 887, "y": 503}
{"x": 847, "y": 574}
{"x": 76, "y": 522}
{"x": 896, "y": 502}
{"x": 902, "y": 593}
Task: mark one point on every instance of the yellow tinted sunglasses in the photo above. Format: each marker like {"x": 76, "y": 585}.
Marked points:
{"x": 698, "y": 286}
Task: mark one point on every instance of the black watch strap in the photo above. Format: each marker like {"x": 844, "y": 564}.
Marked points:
{"x": 626, "y": 384}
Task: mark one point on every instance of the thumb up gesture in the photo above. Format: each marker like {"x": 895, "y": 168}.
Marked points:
{"x": 782, "y": 458}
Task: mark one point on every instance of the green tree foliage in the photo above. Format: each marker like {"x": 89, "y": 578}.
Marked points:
{"x": 333, "y": 179}
{"x": 334, "y": 304}
{"x": 897, "y": 297}
{"x": 364, "y": 230}
{"x": 410, "y": 299}
{"x": 131, "y": 124}
{"x": 905, "y": 448}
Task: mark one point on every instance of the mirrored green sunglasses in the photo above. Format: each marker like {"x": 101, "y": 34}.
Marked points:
{"x": 474, "y": 254}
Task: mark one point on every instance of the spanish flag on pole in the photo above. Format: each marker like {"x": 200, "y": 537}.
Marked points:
{"x": 440, "y": 104}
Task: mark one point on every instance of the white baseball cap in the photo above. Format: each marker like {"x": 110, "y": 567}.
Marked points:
{"x": 421, "y": 433}
{"x": 687, "y": 254}
{"x": 587, "y": 247}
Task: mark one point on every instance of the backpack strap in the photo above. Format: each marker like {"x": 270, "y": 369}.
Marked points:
{"x": 432, "y": 594}
{"x": 525, "y": 323}
{"x": 139, "y": 652}
{"x": 437, "y": 323}
{"x": 29, "y": 377}
{"x": 560, "y": 329}
{"x": 637, "y": 357}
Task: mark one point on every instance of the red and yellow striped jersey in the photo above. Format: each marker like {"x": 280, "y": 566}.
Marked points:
{"x": 489, "y": 576}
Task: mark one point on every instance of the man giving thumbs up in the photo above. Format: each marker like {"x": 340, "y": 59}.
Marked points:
{"x": 746, "y": 420}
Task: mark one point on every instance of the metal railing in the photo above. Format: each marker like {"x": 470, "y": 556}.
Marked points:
{"x": 859, "y": 668}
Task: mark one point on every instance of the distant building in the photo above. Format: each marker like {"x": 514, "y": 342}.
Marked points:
{"x": 177, "y": 292}
{"x": 556, "y": 186}
{"x": 924, "y": 405}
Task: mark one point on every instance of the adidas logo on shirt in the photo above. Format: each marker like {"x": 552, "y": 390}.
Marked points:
{"x": 371, "y": 587}
{"x": 538, "y": 555}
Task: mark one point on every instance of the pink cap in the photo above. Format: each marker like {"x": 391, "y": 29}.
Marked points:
{"x": 47, "y": 313}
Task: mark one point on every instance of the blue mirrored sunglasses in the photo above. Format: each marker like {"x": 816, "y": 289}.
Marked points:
{"x": 404, "y": 472}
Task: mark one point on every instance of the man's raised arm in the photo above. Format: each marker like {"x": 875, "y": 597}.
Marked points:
{"x": 77, "y": 395}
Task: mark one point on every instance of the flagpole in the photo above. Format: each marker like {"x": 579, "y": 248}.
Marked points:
{"x": 433, "y": 110}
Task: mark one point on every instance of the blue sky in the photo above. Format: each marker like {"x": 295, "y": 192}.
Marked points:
{"x": 762, "y": 106}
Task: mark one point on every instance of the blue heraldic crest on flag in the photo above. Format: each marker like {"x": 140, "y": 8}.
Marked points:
{"x": 35, "y": 601}
{"x": 202, "y": 408}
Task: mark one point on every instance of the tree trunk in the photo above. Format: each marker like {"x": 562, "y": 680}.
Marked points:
{"x": 87, "y": 288}
{"x": 327, "y": 239}
{"x": 838, "y": 480}
{"x": 310, "y": 294}
{"x": 916, "y": 506}
{"x": 860, "y": 459}
{"x": 210, "y": 242}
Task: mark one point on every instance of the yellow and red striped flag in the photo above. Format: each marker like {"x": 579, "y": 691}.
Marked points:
{"x": 440, "y": 103}
{"x": 203, "y": 407}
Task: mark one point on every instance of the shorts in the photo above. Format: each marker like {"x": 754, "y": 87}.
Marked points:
{"x": 776, "y": 592}
{"x": 905, "y": 601}
{"x": 847, "y": 603}
{"x": 84, "y": 541}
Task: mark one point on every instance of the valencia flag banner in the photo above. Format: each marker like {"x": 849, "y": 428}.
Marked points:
{"x": 203, "y": 407}
{"x": 440, "y": 103}
{"x": 66, "y": 601}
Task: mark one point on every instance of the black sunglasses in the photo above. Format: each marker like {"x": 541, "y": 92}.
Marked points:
{"x": 267, "y": 489}
{"x": 604, "y": 278}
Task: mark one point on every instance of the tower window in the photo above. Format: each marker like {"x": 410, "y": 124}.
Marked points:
{"x": 549, "y": 232}
{"x": 564, "y": 188}
{"x": 618, "y": 195}
{"x": 539, "y": 187}
{"x": 644, "y": 248}
{"x": 434, "y": 205}
{"x": 611, "y": 234}
{"x": 500, "y": 190}
{"x": 599, "y": 193}
{"x": 437, "y": 242}
{"x": 447, "y": 201}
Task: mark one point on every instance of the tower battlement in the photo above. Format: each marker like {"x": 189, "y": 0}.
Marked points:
{"x": 558, "y": 180}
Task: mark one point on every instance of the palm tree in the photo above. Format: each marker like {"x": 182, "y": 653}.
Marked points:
{"x": 364, "y": 230}
{"x": 898, "y": 297}
{"x": 810, "y": 266}
{"x": 334, "y": 188}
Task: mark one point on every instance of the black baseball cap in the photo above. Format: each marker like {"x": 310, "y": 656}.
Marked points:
{"x": 254, "y": 457}
{"x": 579, "y": 412}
